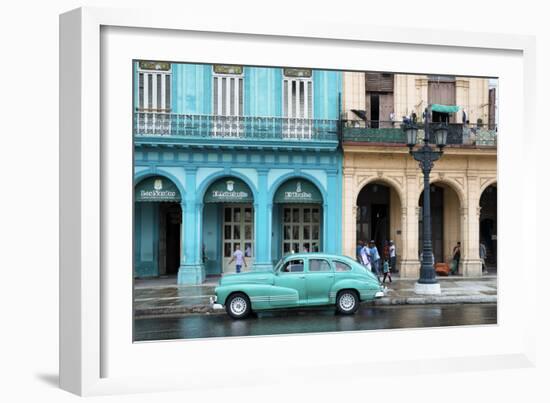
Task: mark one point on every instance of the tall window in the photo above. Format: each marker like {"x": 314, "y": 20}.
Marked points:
{"x": 228, "y": 100}
{"x": 154, "y": 97}
{"x": 154, "y": 83}
{"x": 297, "y": 102}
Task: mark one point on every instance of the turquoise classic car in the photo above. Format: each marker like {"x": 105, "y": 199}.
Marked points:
{"x": 299, "y": 280}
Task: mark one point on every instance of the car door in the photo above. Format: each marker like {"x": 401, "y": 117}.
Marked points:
{"x": 290, "y": 275}
{"x": 319, "y": 280}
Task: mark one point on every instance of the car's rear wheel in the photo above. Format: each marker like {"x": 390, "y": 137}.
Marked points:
{"x": 238, "y": 306}
{"x": 347, "y": 302}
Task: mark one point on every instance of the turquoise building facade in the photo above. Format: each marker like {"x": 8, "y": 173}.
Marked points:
{"x": 229, "y": 157}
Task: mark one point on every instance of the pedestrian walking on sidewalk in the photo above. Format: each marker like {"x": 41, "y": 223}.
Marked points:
{"x": 374, "y": 258}
{"x": 393, "y": 257}
{"x": 358, "y": 250}
{"x": 365, "y": 258}
{"x": 386, "y": 270}
{"x": 239, "y": 259}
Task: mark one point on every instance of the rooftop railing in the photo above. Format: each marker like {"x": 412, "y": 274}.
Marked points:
{"x": 458, "y": 134}
{"x": 169, "y": 125}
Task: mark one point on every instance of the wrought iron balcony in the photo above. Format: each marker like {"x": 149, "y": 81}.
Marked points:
{"x": 230, "y": 130}
{"x": 386, "y": 132}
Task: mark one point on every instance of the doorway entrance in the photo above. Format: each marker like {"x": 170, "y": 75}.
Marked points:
{"x": 301, "y": 229}
{"x": 488, "y": 227}
{"x": 228, "y": 222}
{"x": 157, "y": 228}
{"x": 238, "y": 231}
{"x": 297, "y": 218}
{"x": 373, "y": 215}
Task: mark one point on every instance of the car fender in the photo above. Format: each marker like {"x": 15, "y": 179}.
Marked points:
{"x": 261, "y": 296}
{"x": 366, "y": 289}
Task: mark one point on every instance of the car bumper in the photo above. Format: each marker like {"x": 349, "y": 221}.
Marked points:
{"x": 379, "y": 294}
{"x": 214, "y": 304}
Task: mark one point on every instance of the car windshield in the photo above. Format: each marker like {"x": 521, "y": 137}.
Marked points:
{"x": 278, "y": 266}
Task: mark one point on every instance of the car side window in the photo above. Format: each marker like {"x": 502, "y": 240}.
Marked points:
{"x": 318, "y": 265}
{"x": 339, "y": 266}
{"x": 293, "y": 266}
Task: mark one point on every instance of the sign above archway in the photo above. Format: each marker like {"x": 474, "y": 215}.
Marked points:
{"x": 157, "y": 189}
{"x": 298, "y": 191}
{"x": 228, "y": 190}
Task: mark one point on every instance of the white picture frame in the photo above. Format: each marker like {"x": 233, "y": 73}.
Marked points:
{"x": 96, "y": 355}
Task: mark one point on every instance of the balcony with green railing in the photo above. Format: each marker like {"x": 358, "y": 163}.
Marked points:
{"x": 390, "y": 133}
{"x": 155, "y": 128}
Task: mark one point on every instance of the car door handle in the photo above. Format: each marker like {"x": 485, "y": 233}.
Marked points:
{"x": 302, "y": 276}
{"x": 330, "y": 275}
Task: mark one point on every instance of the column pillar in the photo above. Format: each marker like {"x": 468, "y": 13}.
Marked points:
{"x": 191, "y": 270}
{"x": 470, "y": 265}
{"x": 331, "y": 240}
{"x": 349, "y": 242}
{"x": 410, "y": 265}
{"x": 262, "y": 226}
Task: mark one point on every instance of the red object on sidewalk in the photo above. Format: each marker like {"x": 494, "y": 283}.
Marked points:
{"x": 442, "y": 269}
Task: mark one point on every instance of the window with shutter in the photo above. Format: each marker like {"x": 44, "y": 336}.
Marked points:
{"x": 228, "y": 100}
{"x": 154, "y": 97}
{"x": 379, "y": 82}
{"x": 297, "y": 103}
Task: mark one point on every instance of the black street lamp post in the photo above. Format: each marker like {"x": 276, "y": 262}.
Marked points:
{"x": 426, "y": 155}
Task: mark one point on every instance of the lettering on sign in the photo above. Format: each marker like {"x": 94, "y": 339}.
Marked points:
{"x": 298, "y": 194}
{"x": 230, "y": 193}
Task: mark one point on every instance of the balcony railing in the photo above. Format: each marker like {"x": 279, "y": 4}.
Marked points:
{"x": 169, "y": 125}
{"x": 390, "y": 132}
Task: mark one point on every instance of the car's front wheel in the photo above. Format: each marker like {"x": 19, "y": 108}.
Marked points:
{"x": 347, "y": 302}
{"x": 238, "y": 306}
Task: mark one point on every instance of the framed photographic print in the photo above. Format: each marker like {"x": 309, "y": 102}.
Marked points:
{"x": 254, "y": 195}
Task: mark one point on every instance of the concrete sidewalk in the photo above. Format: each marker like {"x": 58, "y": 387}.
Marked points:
{"x": 159, "y": 297}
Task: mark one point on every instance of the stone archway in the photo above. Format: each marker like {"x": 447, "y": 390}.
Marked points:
{"x": 446, "y": 219}
{"x": 379, "y": 215}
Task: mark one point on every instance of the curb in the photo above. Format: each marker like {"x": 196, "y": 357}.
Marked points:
{"x": 481, "y": 299}
{"x": 206, "y": 309}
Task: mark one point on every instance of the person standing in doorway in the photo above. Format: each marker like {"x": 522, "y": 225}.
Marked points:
{"x": 483, "y": 256}
{"x": 393, "y": 257}
{"x": 239, "y": 259}
{"x": 456, "y": 258}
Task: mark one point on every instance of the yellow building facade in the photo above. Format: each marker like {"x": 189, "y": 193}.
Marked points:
{"x": 383, "y": 184}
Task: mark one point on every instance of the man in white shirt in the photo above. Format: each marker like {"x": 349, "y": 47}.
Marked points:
{"x": 239, "y": 259}
{"x": 393, "y": 257}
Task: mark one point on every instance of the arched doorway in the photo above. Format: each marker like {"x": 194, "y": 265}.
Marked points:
{"x": 297, "y": 218}
{"x": 445, "y": 219}
{"x": 488, "y": 227}
{"x": 157, "y": 227}
{"x": 378, "y": 216}
{"x": 228, "y": 223}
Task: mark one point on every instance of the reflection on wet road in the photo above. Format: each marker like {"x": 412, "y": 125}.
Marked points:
{"x": 314, "y": 321}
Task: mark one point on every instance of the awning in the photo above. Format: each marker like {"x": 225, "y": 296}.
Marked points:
{"x": 157, "y": 189}
{"x": 445, "y": 108}
{"x": 228, "y": 190}
{"x": 360, "y": 113}
{"x": 298, "y": 191}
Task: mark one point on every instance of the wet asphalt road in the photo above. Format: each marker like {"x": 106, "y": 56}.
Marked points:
{"x": 314, "y": 321}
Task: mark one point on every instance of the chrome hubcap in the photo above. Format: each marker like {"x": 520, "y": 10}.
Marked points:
{"x": 238, "y": 306}
{"x": 347, "y": 302}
